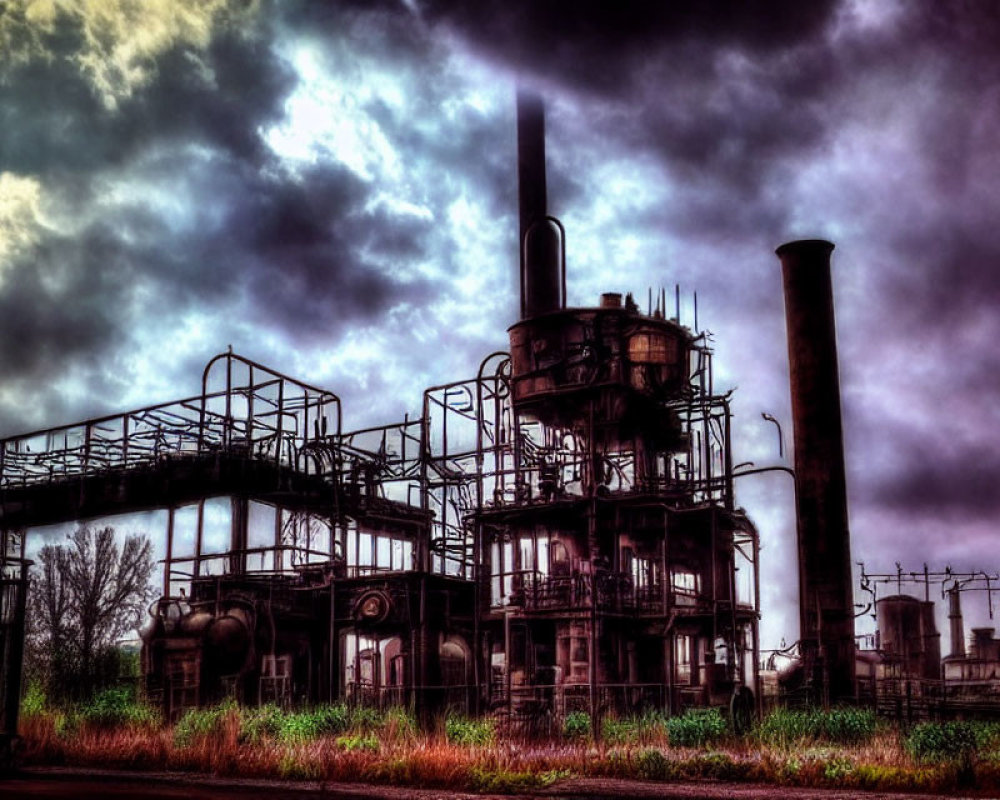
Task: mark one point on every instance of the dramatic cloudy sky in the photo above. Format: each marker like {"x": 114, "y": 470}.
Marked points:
{"x": 330, "y": 188}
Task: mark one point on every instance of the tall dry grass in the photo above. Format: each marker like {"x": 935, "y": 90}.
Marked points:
{"x": 339, "y": 744}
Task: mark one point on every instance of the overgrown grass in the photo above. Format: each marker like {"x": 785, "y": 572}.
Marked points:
{"x": 788, "y": 728}
{"x": 843, "y": 748}
{"x": 697, "y": 728}
{"x": 958, "y": 741}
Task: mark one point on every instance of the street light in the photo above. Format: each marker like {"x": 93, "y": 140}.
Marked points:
{"x": 781, "y": 438}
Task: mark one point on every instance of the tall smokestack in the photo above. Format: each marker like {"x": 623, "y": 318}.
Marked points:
{"x": 539, "y": 242}
{"x": 826, "y": 599}
{"x": 955, "y": 624}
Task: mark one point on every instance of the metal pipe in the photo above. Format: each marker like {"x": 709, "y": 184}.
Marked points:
{"x": 542, "y": 279}
{"x": 825, "y": 586}
{"x": 955, "y": 624}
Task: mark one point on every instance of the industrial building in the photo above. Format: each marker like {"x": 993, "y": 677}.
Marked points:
{"x": 557, "y": 532}
{"x": 900, "y": 669}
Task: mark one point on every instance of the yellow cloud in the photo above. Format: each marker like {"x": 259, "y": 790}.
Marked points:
{"x": 20, "y": 216}
{"x": 121, "y": 38}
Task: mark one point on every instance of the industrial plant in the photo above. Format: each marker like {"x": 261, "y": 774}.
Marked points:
{"x": 555, "y": 533}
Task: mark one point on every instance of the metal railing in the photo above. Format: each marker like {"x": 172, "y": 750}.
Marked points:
{"x": 258, "y": 413}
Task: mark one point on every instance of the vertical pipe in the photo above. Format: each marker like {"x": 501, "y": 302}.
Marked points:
{"x": 541, "y": 274}
{"x": 955, "y": 624}
{"x": 198, "y": 538}
{"x": 825, "y": 586}
{"x": 755, "y": 625}
{"x": 168, "y": 566}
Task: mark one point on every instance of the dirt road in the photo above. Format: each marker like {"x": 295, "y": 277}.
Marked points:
{"x": 42, "y": 784}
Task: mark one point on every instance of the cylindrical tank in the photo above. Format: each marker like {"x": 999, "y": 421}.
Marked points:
{"x": 908, "y": 635}
{"x": 931, "y": 662}
{"x": 899, "y": 623}
{"x": 227, "y": 641}
{"x": 826, "y": 600}
{"x": 585, "y": 347}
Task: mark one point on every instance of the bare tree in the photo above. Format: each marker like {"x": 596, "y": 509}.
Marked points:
{"x": 85, "y": 597}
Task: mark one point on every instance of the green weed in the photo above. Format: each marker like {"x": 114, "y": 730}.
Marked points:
{"x": 358, "y": 742}
{"x": 785, "y": 728}
{"x": 942, "y": 741}
{"x": 697, "y": 727}
{"x": 466, "y": 731}
{"x": 116, "y": 708}
{"x": 576, "y": 726}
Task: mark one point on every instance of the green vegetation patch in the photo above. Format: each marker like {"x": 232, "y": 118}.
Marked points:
{"x": 697, "y": 727}
{"x": 505, "y": 781}
{"x": 115, "y": 708}
{"x": 576, "y": 726}
{"x": 466, "y": 731}
{"x": 944, "y": 741}
{"x": 786, "y": 728}
{"x": 203, "y": 723}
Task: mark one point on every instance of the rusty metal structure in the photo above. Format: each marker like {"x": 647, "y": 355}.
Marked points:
{"x": 556, "y": 533}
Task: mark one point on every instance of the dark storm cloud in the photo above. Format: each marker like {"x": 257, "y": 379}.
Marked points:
{"x": 604, "y": 46}
{"x": 305, "y": 245}
{"x": 205, "y": 214}
{"x": 68, "y": 300}
{"x": 943, "y": 483}
{"x": 705, "y": 86}
{"x": 57, "y": 307}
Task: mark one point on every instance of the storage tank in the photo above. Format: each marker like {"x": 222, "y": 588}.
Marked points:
{"x": 908, "y": 636}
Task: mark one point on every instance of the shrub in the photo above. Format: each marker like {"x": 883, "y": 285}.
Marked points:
{"x": 652, "y": 765}
{"x": 260, "y": 723}
{"x": 34, "y": 701}
{"x": 474, "y": 732}
{"x": 361, "y": 717}
{"x": 783, "y": 727}
{"x": 987, "y": 737}
{"x": 576, "y": 726}
{"x": 697, "y": 727}
{"x": 848, "y": 725}
{"x": 719, "y": 766}
{"x": 942, "y": 741}
{"x": 115, "y": 708}
{"x": 618, "y": 731}
{"x": 837, "y": 768}
{"x": 302, "y": 726}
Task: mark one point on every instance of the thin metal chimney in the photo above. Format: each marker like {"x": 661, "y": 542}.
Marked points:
{"x": 955, "y": 624}
{"x": 826, "y": 599}
{"x": 542, "y": 274}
